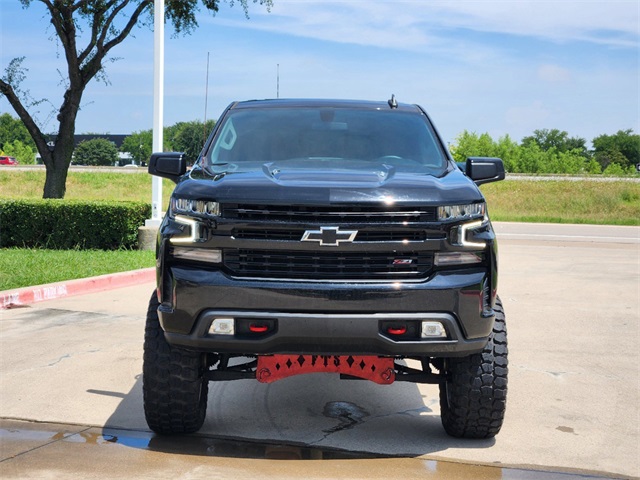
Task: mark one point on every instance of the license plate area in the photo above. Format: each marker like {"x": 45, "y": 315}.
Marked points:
{"x": 276, "y": 367}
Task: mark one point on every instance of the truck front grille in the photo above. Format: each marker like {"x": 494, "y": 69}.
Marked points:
{"x": 333, "y": 214}
{"x": 328, "y": 265}
{"x": 295, "y": 234}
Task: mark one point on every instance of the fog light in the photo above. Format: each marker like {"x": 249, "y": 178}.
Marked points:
{"x": 207, "y": 255}
{"x": 445, "y": 259}
{"x": 433, "y": 329}
{"x": 222, "y": 326}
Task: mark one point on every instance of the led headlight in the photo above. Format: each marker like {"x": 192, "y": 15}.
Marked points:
{"x": 460, "y": 235}
{"x": 461, "y": 212}
{"x": 201, "y": 208}
{"x": 193, "y": 230}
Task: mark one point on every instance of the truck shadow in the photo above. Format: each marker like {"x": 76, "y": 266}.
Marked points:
{"x": 305, "y": 417}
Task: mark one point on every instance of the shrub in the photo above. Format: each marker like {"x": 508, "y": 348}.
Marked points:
{"x": 62, "y": 224}
{"x": 614, "y": 170}
{"x": 593, "y": 167}
{"x": 96, "y": 152}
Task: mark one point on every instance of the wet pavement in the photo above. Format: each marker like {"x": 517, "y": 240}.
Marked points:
{"x": 71, "y": 402}
{"x": 40, "y": 450}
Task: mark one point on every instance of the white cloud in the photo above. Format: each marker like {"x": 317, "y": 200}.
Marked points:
{"x": 613, "y": 23}
{"x": 374, "y": 23}
{"x": 416, "y": 24}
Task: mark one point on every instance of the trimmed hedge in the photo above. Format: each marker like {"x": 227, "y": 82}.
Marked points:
{"x": 64, "y": 224}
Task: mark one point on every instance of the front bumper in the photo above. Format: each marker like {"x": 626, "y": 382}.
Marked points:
{"x": 328, "y": 318}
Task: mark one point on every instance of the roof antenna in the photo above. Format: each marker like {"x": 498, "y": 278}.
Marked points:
{"x": 393, "y": 103}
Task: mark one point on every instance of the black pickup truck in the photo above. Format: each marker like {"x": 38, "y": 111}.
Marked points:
{"x": 326, "y": 236}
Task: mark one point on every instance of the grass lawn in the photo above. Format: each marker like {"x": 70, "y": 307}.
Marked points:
{"x": 28, "y": 267}
{"x": 134, "y": 186}
{"x": 605, "y": 203}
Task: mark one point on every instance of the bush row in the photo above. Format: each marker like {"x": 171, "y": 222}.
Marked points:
{"x": 63, "y": 224}
{"x": 533, "y": 156}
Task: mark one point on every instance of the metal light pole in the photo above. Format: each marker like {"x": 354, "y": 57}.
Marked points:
{"x": 158, "y": 108}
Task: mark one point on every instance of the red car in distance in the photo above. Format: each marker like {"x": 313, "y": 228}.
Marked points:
{"x": 7, "y": 160}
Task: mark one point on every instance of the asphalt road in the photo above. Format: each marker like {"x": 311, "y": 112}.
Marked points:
{"x": 572, "y": 299}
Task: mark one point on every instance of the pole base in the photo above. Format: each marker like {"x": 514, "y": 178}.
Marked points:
{"x": 147, "y": 237}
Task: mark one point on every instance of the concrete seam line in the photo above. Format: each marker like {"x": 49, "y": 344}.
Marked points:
{"x": 28, "y": 295}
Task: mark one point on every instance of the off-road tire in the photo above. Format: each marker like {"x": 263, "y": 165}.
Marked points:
{"x": 473, "y": 398}
{"x": 174, "y": 391}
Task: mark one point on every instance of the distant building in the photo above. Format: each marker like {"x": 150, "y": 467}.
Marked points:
{"x": 116, "y": 139}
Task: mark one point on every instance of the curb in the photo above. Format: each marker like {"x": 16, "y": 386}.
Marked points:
{"x": 25, "y": 296}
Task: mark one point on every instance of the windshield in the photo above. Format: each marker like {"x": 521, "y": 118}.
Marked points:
{"x": 308, "y": 137}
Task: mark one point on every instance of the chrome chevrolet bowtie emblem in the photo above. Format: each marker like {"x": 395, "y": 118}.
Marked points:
{"x": 329, "y": 236}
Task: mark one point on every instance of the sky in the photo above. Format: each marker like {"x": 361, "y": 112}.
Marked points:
{"x": 502, "y": 67}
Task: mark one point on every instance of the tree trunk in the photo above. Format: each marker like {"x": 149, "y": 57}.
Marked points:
{"x": 55, "y": 184}
{"x": 58, "y": 162}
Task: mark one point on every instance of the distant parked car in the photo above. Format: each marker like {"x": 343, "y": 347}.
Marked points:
{"x": 6, "y": 160}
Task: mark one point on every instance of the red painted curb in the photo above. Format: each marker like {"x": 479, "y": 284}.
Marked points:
{"x": 40, "y": 293}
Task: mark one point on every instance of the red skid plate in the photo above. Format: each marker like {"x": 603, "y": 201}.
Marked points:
{"x": 276, "y": 367}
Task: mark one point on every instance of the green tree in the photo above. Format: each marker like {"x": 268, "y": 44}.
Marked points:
{"x": 103, "y": 24}
{"x": 470, "y": 144}
{"x": 96, "y": 152}
{"x": 612, "y": 156}
{"x": 138, "y": 145}
{"x": 189, "y": 137}
{"x": 593, "y": 167}
{"x": 473, "y": 145}
{"x": 509, "y": 151}
{"x": 622, "y": 148}
{"x": 579, "y": 144}
{"x": 12, "y": 129}
{"x": 614, "y": 170}
{"x": 547, "y": 139}
{"x": 23, "y": 153}
{"x": 569, "y": 162}
{"x": 531, "y": 158}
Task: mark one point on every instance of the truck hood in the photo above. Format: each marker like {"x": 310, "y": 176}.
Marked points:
{"x": 274, "y": 184}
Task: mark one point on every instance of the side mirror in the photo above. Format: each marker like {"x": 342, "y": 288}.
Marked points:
{"x": 171, "y": 165}
{"x": 484, "y": 169}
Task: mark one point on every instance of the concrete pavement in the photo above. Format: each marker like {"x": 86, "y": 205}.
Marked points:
{"x": 572, "y": 308}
